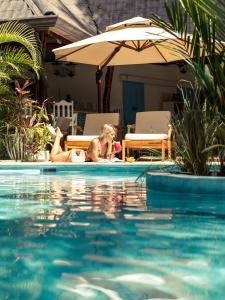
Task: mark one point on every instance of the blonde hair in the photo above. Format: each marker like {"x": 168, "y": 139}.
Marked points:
{"x": 106, "y": 129}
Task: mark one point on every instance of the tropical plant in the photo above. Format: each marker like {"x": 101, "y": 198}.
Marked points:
{"x": 12, "y": 109}
{"x": 13, "y": 144}
{"x": 35, "y": 134}
{"x": 218, "y": 150}
{"x": 25, "y": 135}
{"x": 11, "y": 118}
{"x": 202, "y": 50}
{"x": 25, "y": 142}
{"x": 190, "y": 140}
{"x": 19, "y": 53}
{"x": 198, "y": 128}
{"x": 20, "y": 59}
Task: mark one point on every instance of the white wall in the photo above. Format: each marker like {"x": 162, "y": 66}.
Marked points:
{"x": 160, "y": 84}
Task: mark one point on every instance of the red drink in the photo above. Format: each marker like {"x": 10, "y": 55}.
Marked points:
{"x": 117, "y": 147}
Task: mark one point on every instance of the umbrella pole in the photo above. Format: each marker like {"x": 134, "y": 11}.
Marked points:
{"x": 107, "y": 90}
{"x": 99, "y": 88}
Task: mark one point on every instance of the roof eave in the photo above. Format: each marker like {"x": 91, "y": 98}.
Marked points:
{"x": 39, "y": 23}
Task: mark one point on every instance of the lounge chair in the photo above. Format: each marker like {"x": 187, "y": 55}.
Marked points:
{"x": 92, "y": 127}
{"x": 64, "y": 109}
{"x": 63, "y": 123}
{"x": 152, "y": 131}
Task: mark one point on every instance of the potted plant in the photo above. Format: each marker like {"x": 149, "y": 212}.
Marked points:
{"x": 27, "y": 135}
{"x": 36, "y": 137}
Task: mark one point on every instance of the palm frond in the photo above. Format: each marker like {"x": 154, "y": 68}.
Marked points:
{"x": 4, "y": 76}
{"x": 25, "y": 36}
{"x": 203, "y": 48}
{"x": 216, "y": 10}
{"x": 16, "y": 62}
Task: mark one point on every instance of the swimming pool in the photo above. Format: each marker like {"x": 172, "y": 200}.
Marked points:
{"x": 94, "y": 234}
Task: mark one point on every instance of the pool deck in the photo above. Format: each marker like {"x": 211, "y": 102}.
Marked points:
{"x": 5, "y": 163}
{"x": 103, "y": 168}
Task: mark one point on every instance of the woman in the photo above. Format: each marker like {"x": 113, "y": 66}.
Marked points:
{"x": 100, "y": 149}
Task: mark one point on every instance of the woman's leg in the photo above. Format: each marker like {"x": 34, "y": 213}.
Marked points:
{"x": 56, "y": 153}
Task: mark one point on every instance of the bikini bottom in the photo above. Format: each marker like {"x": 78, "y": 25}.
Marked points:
{"x": 78, "y": 155}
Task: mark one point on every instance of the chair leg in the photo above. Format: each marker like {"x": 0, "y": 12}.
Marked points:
{"x": 123, "y": 150}
{"x": 163, "y": 150}
{"x": 65, "y": 146}
{"x": 169, "y": 149}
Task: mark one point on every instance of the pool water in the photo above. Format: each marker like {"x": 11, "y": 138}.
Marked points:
{"x": 72, "y": 235}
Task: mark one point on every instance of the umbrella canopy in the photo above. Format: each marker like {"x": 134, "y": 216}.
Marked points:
{"x": 134, "y": 41}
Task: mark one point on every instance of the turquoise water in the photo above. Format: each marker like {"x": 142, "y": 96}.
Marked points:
{"x": 97, "y": 235}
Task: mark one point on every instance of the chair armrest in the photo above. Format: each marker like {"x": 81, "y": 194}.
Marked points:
{"x": 130, "y": 128}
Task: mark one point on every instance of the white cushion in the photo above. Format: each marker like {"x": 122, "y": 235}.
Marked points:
{"x": 146, "y": 136}
{"x": 77, "y": 138}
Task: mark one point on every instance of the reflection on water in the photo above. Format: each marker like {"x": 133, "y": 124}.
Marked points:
{"x": 98, "y": 195}
{"x": 73, "y": 237}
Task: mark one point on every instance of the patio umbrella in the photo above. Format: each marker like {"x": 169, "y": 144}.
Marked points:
{"x": 134, "y": 41}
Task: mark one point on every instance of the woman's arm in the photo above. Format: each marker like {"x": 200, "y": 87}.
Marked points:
{"x": 93, "y": 151}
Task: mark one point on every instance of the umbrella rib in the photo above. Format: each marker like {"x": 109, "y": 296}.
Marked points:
{"x": 74, "y": 51}
{"x": 138, "y": 45}
{"x": 124, "y": 45}
{"x": 110, "y": 57}
{"x": 146, "y": 45}
{"x": 160, "y": 53}
{"x": 136, "y": 48}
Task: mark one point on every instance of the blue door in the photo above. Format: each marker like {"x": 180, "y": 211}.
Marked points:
{"x": 133, "y": 101}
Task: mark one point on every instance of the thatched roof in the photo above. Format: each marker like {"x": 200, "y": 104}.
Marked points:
{"x": 76, "y": 19}
{"x": 65, "y": 21}
{"x": 108, "y": 12}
